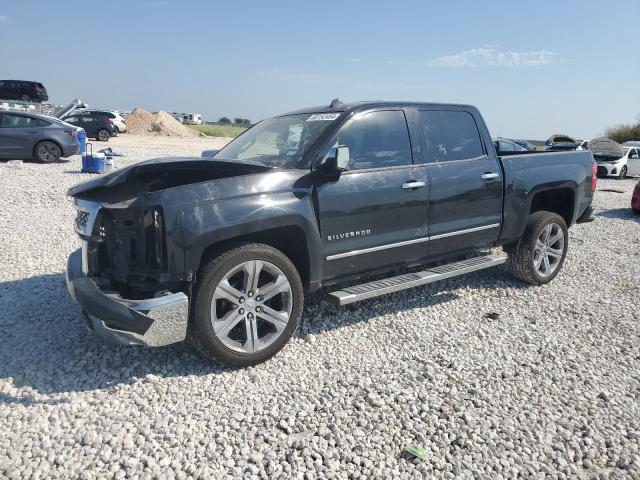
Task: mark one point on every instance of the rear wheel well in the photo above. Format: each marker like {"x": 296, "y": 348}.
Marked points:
{"x": 559, "y": 200}
{"x": 290, "y": 240}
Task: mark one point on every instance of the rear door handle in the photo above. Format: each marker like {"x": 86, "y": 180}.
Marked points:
{"x": 489, "y": 175}
{"x": 412, "y": 185}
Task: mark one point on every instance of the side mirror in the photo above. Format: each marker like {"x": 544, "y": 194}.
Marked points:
{"x": 337, "y": 160}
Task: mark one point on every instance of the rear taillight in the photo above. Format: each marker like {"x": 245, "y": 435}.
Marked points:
{"x": 71, "y": 133}
{"x": 124, "y": 121}
{"x": 109, "y": 122}
{"x": 594, "y": 177}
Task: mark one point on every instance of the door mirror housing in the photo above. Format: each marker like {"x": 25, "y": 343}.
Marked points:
{"x": 336, "y": 161}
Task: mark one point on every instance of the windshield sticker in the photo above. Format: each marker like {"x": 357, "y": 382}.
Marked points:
{"x": 323, "y": 117}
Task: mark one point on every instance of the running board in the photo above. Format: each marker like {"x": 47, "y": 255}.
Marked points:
{"x": 357, "y": 293}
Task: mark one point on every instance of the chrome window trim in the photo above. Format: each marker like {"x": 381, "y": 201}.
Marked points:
{"x": 410, "y": 242}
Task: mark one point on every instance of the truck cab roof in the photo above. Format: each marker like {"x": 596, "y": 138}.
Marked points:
{"x": 339, "y": 107}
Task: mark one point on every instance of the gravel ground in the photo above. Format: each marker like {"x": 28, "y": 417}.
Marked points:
{"x": 549, "y": 385}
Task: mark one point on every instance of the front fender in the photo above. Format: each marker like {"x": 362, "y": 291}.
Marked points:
{"x": 191, "y": 228}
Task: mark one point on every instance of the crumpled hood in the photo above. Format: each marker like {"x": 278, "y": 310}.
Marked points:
{"x": 162, "y": 173}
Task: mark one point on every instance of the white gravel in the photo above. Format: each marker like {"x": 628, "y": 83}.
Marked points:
{"x": 551, "y": 387}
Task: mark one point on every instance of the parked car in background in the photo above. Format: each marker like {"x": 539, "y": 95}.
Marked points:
{"x": 528, "y": 146}
{"x": 97, "y": 124}
{"x": 33, "y": 136}
{"x": 613, "y": 159}
{"x": 556, "y": 143}
{"x": 635, "y": 198}
{"x": 24, "y": 90}
{"x": 504, "y": 146}
{"x": 118, "y": 120}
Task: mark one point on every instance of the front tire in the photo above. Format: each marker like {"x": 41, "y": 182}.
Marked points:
{"x": 247, "y": 304}
{"x": 623, "y": 173}
{"x": 542, "y": 249}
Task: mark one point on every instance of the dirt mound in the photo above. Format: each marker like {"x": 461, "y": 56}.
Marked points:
{"x": 141, "y": 122}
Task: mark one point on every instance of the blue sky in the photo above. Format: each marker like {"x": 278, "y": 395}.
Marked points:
{"x": 533, "y": 68}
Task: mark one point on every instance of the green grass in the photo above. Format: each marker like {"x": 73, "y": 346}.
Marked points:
{"x": 219, "y": 130}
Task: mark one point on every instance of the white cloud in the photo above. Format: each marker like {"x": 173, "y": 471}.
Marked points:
{"x": 493, "y": 57}
{"x": 4, "y": 19}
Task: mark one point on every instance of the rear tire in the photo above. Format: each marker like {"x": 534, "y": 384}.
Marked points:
{"x": 103, "y": 135}
{"x": 236, "y": 318}
{"x": 542, "y": 249}
{"x": 47, "y": 152}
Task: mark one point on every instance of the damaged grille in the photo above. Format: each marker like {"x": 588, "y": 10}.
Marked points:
{"x": 129, "y": 248}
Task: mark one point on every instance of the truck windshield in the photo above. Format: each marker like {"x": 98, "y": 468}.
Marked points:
{"x": 278, "y": 142}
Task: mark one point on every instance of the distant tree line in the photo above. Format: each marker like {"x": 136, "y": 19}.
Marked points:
{"x": 624, "y": 133}
{"x": 237, "y": 121}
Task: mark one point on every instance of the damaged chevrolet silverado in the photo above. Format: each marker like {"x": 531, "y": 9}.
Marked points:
{"x": 358, "y": 200}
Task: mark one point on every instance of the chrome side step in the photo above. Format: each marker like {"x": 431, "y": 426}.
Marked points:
{"x": 357, "y": 293}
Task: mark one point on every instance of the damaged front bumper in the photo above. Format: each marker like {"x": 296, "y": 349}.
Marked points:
{"x": 153, "y": 322}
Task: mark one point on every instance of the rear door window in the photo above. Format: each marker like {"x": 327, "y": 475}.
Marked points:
{"x": 377, "y": 140}
{"x": 18, "y": 121}
{"x": 449, "y": 135}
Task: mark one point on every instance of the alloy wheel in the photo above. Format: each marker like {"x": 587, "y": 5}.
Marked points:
{"x": 251, "y": 306}
{"x": 549, "y": 250}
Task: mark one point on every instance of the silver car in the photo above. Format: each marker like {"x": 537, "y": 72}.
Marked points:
{"x": 32, "y": 136}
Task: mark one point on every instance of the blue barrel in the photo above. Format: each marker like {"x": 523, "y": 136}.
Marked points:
{"x": 82, "y": 139}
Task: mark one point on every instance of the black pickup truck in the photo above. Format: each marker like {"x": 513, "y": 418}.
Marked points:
{"x": 359, "y": 200}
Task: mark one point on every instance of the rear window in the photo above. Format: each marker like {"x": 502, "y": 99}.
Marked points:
{"x": 449, "y": 135}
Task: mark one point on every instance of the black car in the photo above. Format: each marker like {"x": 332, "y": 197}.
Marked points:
{"x": 26, "y": 91}
{"x": 98, "y": 125}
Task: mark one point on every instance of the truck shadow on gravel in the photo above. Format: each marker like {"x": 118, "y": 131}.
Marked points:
{"x": 45, "y": 347}
{"x": 621, "y": 213}
{"x": 321, "y": 316}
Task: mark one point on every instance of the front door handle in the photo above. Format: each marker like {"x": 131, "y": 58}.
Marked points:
{"x": 412, "y": 185}
{"x": 489, "y": 175}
